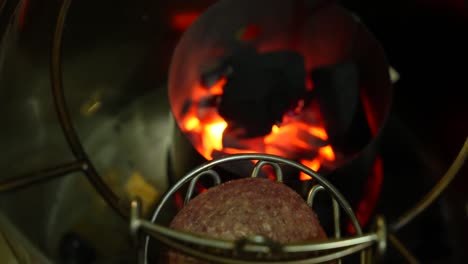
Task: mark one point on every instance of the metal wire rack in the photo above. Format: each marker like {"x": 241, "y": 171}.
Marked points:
{"x": 250, "y": 250}
{"x": 259, "y": 249}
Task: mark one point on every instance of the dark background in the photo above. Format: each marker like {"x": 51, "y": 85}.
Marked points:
{"x": 425, "y": 40}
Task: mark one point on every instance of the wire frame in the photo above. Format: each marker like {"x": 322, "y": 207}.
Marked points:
{"x": 82, "y": 163}
{"x": 256, "y": 249}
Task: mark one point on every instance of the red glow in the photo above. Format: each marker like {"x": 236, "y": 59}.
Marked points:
{"x": 22, "y": 16}
{"x": 182, "y": 21}
{"x": 200, "y": 188}
{"x": 179, "y": 201}
{"x": 250, "y": 33}
{"x": 313, "y": 165}
{"x": 309, "y": 84}
{"x": 367, "y": 205}
{"x": 271, "y": 176}
{"x": 217, "y": 88}
{"x": 369, "y": 114}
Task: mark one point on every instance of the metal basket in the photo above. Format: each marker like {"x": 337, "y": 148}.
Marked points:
{"x": 258, "y": 249}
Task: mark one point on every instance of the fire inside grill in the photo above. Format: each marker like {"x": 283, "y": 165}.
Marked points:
{"x": 307, "y": 83}
{"x": 300, "y": 134}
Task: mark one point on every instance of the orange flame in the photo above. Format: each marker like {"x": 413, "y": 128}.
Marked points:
{"x": 212, "y": 137}
{"x": 275, "y": 129}
{"x": 313, "y": 165}
{"x": 217, "y": 88}
{"x": 293, "y": 139}
{"x": 319, "y": 132}
{"x": 192, "y": 123}
{"x": 327, "y": 153}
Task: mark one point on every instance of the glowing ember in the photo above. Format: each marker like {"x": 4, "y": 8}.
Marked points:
{"x": 217, "y": 88}
{"x": 313, "y": 165}
{"x": 275, "y": 129}
{"x": 327, "y": 153}
{"x": 192, "y": 123}
{"x": 318, "y": 132}
{"x": 299, "y": 137}
{"x": 213, "y": 137}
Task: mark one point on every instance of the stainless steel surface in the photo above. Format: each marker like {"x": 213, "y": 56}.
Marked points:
{"x": 132, "y": 162}
{"x": 67, "y": 123}
{"x": 127, "y": 141}
{"x": 15, "y": 248}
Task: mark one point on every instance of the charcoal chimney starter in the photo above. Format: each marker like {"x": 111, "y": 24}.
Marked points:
{"x": 303, "y": 80}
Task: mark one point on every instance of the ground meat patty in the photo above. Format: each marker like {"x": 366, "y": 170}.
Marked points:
{"x": 247, "y": 207}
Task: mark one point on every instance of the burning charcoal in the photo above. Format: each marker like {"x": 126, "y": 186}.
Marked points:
{"x": 210, "y": 78}
{"x": 246, "y": 104}
{"x": 209, "y": 101}
{"x": 292, "y": 152}
{"x": 233, "y": 141}
{"x": 337, "y": 91}
{"x": 312, "y": 140}
{"x": 261, "y": 88}
{"x": 186, "y": 108}
{"x": 292, "y": 66}
{"x": 230, "y": 142}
